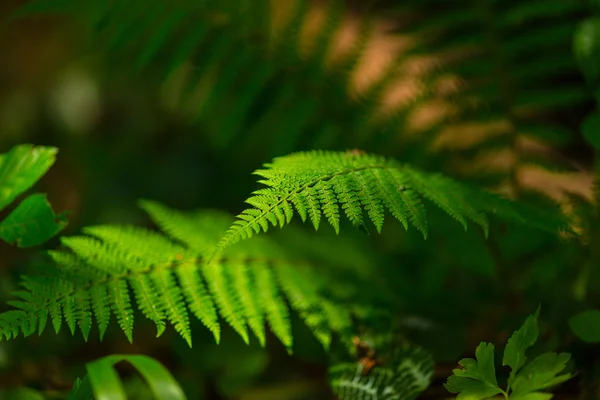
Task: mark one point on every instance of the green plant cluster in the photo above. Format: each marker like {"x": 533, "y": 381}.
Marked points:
{"x": 477, "y": 378}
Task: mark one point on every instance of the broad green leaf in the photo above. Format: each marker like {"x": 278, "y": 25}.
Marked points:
{"x": 20, "y": 168}
{"x": 586, "y": 325}
{"x": 541, "y": 373}
{"x": 106, "y": 384}
{"x": 32, "y": 222}
{"x": 519, "y": 342}
{"x": 477, "y": 379}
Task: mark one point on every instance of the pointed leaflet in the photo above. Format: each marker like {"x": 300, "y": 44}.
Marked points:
{"x": 247, "y": 294}
{"x": 519, "y": 342}
{"x": 477, "y": 379}
{"x": 227, "y": 300}
{"x": 541, "y": 373}
{"x": 276, "y": 311}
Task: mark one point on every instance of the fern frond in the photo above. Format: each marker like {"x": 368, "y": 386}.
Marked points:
{"x": 317, "y": 183}
{"x": 405, "y": 377}
{"x": 114, "y": 270}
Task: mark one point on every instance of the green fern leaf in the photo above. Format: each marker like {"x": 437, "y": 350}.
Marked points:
{"x": 115, "y": 269}
{"x": 317, "y": 182}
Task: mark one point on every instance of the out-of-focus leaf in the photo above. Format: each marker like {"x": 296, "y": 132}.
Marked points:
{"x": 519, "y": 342}
{"x": 586, "y": 325}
